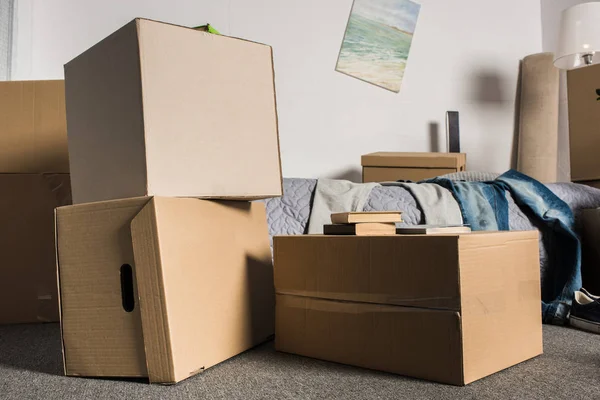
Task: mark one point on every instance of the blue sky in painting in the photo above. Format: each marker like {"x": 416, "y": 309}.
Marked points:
{"x": 401, "y": 14}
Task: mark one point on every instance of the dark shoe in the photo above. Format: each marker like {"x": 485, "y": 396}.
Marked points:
{"x": 585, "y": 312}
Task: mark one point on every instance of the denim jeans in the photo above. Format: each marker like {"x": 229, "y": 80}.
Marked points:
{"x": 484, "y": 207}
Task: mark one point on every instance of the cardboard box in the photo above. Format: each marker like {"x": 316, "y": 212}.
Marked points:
{"x": 159, "y": 109}
{"x": 28, "y": 288}
{"x": 33, "y": 127}
{"x": 447, "y": 308}
{"x": 394, "y": 166}
{"x": 584, "y": 122}
{"x": 162, "y": 287}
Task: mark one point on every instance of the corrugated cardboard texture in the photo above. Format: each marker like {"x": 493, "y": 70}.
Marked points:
{"x": 584, "y": 122}
{"x": 99, "y": 337}
{"x": 383, "y": 174}
{"x": 419, "y": 160}
{"x": 33, "y": 132}
{"x": 105, "y": 122}
{"x": 205, "y": 280}
{"x": 500, "y": 301}
{"x": 490, "y": 279}
{"x": 399, "y": 270}
{"x": 381, "y": 337}
{"x": 158, "y": 109}
{"x": 28, "y": 288}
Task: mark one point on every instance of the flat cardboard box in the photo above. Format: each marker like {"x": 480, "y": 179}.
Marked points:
{"x": 162, "y": 287}
{"x": 28, "y": 287}
{"x": 393, "y": 166}
{"x": 159, "y": 109}
{"x": 466, "y": 310}
{"x": 584, "y": 122}
{"x": 33, "y": 127}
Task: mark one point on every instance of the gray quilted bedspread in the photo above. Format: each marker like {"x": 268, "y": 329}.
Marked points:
{"x": 288, "y": 215}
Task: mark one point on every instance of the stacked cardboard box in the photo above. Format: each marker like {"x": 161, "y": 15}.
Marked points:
{"x": 34, "y": 177}
{"x": 449, "y": 308}
{"x": 155, "y": 281}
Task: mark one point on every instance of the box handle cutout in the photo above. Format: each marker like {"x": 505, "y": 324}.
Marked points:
{"x": 127, "y": 288}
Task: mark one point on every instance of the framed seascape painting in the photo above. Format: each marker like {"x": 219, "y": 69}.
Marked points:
{"x": 377, "y": 41}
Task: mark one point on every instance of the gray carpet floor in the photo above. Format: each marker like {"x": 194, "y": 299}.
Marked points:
{"x": 31, "y": 368}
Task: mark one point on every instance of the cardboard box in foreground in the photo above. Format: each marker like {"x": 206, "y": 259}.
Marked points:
{"x": 162, "y": 287}
{"x": 159, "y": 109}
{"x": 393, "y": 166}
{"x": 28, "y": 287}
{"x": 33, "y": 127}
{"x": 447, "y": 308}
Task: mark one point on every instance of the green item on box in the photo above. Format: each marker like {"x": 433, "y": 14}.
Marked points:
{"x": 207, "y": 28}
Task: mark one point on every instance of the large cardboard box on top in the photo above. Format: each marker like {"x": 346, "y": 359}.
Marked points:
{"x": 33, "y": 127}
{"x": 584, "y": 124}
{"x": 162, "y": 287}
{"x": 159, "y": 109}
{"x": 448, "y": 308}
{"x": 393, "y": 166}
{"x": 28, "y": 287}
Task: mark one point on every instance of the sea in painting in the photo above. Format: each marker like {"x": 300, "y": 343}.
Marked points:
{"x": 377, "y": 41}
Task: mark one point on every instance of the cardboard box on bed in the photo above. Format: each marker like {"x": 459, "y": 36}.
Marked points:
{"x": 392, "y": 166}
{"x": 159, "y": 109}
{"x": 28, "y": 287}
{"x": 201, "y": 287}
{"x": 33, "y": 127}
{"x": 447, "y": 308}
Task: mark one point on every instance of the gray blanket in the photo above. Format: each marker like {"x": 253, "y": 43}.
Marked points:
{"x": 289, "y": 214}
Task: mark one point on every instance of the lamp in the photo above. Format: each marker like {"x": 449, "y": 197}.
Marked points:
{"x": 579, "y": 40}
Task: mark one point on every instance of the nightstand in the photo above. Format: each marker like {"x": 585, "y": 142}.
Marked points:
{"x": 590, "y": 243}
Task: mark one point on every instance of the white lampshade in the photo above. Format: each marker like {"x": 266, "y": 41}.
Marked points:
{"x": 579, "y": 35}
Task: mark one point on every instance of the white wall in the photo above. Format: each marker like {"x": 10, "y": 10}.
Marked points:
{"x": 465, "y": 57}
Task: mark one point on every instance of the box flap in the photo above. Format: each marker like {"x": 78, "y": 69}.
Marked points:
{"x": 500, "y": 301}
{"x": 205, "y": 282}
{"x": 100, "y": 337}
{"x": 399, "y": 269}
{"x": 414, "y": 160}
{"x": 33, "y": 128}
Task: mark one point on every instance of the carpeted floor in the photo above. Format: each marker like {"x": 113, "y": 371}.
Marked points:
{"x": 31, "y": 368}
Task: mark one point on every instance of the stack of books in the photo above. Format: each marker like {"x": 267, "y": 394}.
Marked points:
{"x": 377, "y": 223}
{"x": 363, "y": 223}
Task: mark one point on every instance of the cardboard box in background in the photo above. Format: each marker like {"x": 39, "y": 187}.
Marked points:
{"x": 162, "y": 287}
{"x": 33, "y": 130}
{"x": 159, "y": 109}
{"x": 394, "y": 166}
{"x": 454, "y": 315}
{"x": 590, "y": 249}
{"x": 28, "y": 287}
{"x": 584, "y": 124}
